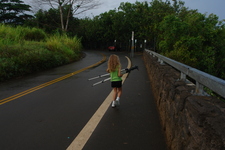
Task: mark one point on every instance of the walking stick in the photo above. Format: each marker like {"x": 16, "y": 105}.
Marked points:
{"x": 100, "y": 76}
{"x": 126, "y": 71}
{"x": 101, "y": 82}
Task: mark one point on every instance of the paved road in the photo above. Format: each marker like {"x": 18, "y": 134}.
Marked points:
{"x": 51, "y": 117}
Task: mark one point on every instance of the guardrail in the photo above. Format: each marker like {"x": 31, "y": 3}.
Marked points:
{"x": 202, "y": 79}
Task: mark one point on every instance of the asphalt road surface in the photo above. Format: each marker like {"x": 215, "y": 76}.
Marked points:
{"x": 59, "y": 109}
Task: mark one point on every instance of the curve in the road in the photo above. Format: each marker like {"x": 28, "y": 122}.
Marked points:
{"x": 11, "y": 98}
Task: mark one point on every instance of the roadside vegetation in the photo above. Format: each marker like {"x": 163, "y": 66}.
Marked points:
{"x": 164, "y": 26}
{"x": 25, "y": 50}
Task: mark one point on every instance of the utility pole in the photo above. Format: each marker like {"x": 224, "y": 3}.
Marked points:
{"x": 132, "y": 46}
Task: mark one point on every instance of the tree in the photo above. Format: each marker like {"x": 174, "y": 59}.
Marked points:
{"x": 47, "y": 20}
{"x": 50, "y": 22}
{"x": 13, "y": 12}
{"x": 159, "y": 10}
{"x": 73, "y": 7}
{"x": 171, "y": 29}
{"x": 136, "y": 17}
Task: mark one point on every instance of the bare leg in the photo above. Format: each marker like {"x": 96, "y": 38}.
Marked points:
{"x": 119, "y": 91}
{"x": 114, "y": 97}
{"x": 114, "y": 93}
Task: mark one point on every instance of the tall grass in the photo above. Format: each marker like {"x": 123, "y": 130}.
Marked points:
{"x": 26, "y": 50}
{"x": 64, "y": 45}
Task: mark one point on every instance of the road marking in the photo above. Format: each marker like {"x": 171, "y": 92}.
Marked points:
{"x": 81, "y": 139}
{"x": 11, "y": 98}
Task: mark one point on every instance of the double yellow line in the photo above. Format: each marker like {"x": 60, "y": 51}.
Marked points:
{"x": 11, "y": 98}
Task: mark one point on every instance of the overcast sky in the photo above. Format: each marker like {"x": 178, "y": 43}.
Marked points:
{"x": 203, "y": 6}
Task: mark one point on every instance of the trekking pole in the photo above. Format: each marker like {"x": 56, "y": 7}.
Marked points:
{"x": 126, "y": 71}
{"x": 101, "y": 81}
{"x": 132, "y": 68}
{"x": 100, "y": 76}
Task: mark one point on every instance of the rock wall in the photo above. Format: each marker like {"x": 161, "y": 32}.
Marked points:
{"x": 190, "y": 122}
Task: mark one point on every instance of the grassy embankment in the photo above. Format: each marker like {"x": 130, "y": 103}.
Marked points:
{"x": 27, "y": 50}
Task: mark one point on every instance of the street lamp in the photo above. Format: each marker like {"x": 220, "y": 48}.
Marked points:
{"x": 132, "y": 46}
{"x": 145, "y": 44}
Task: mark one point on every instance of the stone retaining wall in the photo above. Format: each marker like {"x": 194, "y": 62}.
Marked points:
{"x": 190, "y": 122}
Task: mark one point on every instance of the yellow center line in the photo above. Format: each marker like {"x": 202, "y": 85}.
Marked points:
{"x": 11, "y": 98}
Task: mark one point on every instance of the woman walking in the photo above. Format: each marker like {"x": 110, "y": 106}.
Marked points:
{"x": 114, "y": 68}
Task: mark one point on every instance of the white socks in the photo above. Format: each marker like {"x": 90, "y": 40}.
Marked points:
{"x": 118, "y": 98}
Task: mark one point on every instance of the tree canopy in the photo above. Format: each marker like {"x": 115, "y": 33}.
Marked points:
{"x": 14, "y": 12}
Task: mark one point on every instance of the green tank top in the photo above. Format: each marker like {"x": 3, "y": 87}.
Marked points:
{"x": 114, "y": 76}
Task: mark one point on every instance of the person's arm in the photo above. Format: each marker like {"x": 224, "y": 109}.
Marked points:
{"x": 119, "y": 72}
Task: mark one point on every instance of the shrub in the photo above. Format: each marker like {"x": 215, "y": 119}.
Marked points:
{"x": 25, "y": 50}
{"x": 33, "y": 34}
{"x": 69, "y": 47}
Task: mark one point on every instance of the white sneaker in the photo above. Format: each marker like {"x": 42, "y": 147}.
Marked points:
{"x": 113, "y": 103}
{"x": 118, "y": 102}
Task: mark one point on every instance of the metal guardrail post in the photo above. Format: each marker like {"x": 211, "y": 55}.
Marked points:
{"x": 182, "y": 76}
{"x": 159, "y": 60}
{"x": 199, "y": 89}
